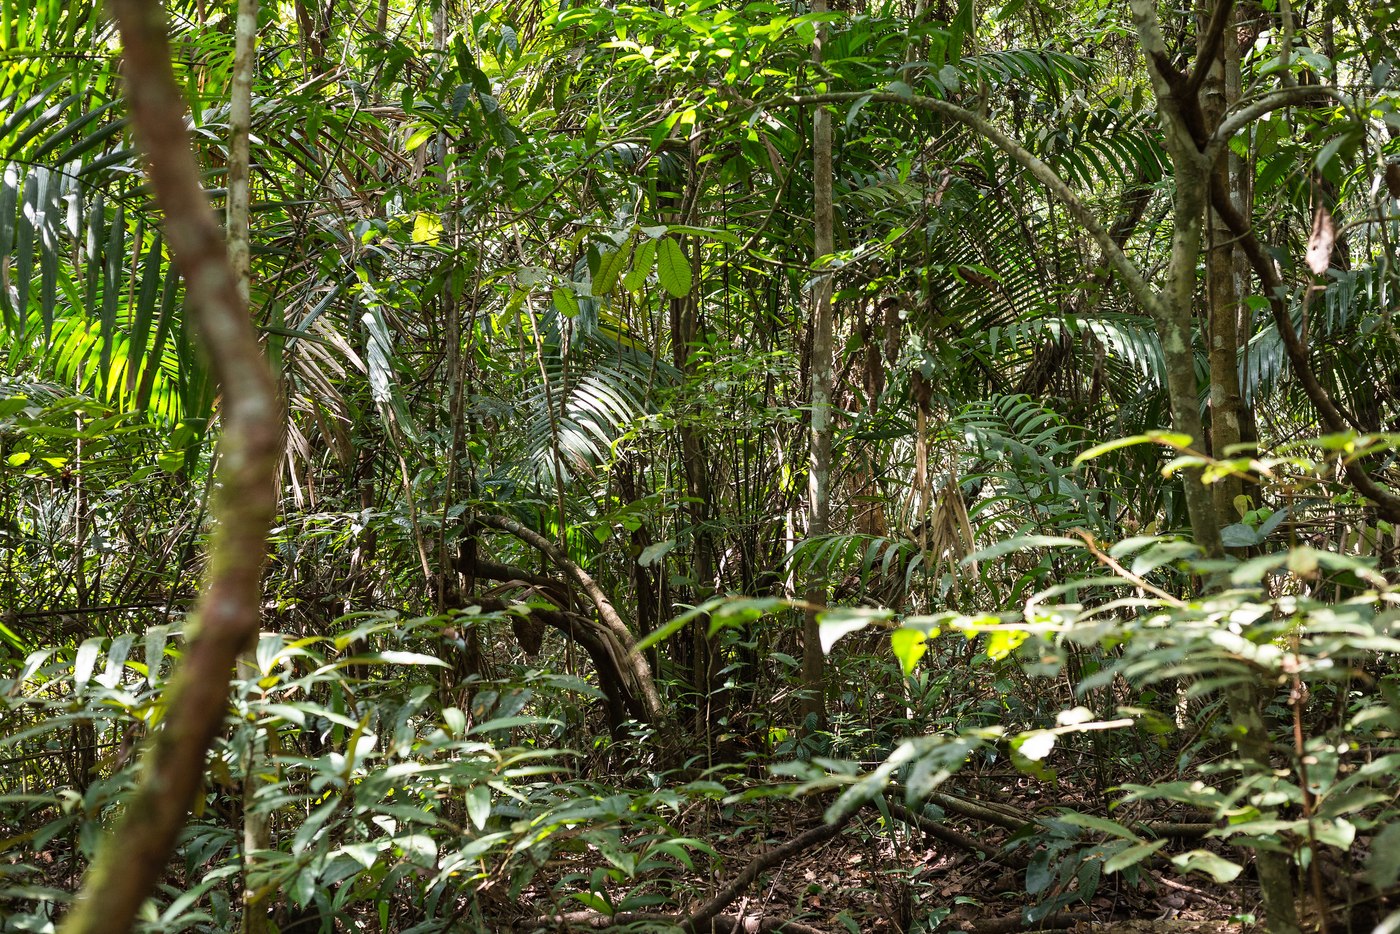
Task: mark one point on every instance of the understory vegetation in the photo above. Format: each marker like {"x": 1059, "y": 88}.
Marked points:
{"x": 870, "y": 466}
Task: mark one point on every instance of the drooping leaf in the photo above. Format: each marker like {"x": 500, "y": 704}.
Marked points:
{"x": 672, "y": 267}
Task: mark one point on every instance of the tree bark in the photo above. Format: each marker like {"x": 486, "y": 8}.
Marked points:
{"x": 1222, "y": 293}
{"x": 131, "y": 860}
{"x": 1189, "y": 132}
{"x": 634, "y": 664}
{"x": 823, "y": 328}
{"x": 256, "y": 826}
{"x": 1184, "y": 136}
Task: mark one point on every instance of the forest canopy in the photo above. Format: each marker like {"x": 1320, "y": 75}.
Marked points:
{"x": 858, "y": 465}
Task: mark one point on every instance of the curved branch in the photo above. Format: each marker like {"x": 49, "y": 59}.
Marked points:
{"x": 1127, "y": 270}
{"x": 1242, "y": 117}
{"x": 133, "y": 858}
{"x": 1333, "y": 418}
{"x": 556, "y": 590}
{"x": 609, "y": 659}
{"x": 637, "y": 662}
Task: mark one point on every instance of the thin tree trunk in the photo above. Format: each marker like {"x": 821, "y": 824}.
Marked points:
{"x": 256, "y": 827}
{"x": 132, "y": 859}
{"x": 1222, "y": 296}
{"x": 819, "y": 470}
{"x": 1188, "y": 129}
{"x": 1174, "y": 312}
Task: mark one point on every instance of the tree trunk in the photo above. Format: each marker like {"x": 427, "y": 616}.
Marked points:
{"x": 1187, "y": 129}
{"x": 819, "y": 470}
{"x": 134, "y": 857}
{"x": 256, "y": 826}
{"x": 1222, "y": 294}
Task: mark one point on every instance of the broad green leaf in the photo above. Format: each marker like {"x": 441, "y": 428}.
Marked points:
{"x": 1034, "y": 745}
{"x": 655, "y": 552}
{"x": 1002, "y": 642}
{"x": 643, "y": 259}
{"x": 1022, "y": 543}
{"x": 1383, "y": 865}
{"x": 479, "y": 805}
{"x": 116, "y": 660}
{"x": 672, "y": 268}
{"x": 1168, "y": 438}
{"x": 455, "y": 720}
{"x": 1074, "y": 716}
{"x": 835, "y": 622}
{"x": 155, "y": 652}
{"x": 1132, "y": 855}
{"x": 566, "y": 302}
{"x": 594, "y": 901}
{"x": 1239, "y": 535}
{"x": 427, "y": 228}
{"x": 1101, "y": 824}
{"x": 1217, "y": 867}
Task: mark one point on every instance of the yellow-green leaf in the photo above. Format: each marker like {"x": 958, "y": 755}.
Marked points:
{"x": 909, "y": 646}
{"x": 427, "y": 228}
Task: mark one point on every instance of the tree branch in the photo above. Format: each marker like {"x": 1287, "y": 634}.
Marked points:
{"x": 133, "y": 858}
{"x": 1331, "y": 415}
{"x": 1210, "y": 46}
{"x": 609, "y": 658}
{"x": 606, "y": 611}
{"x": 698, "y": 919}
{"x": 1127, "y": 270}
{"x": 1243, "y": 116}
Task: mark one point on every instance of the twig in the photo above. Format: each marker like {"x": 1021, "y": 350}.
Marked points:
{"x": 1113, "y": 563}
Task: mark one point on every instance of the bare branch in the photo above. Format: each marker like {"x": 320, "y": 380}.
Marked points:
{"x": 1245, "y": 115}
{"x": 132, "y": 859}
{"x": 637, "y": 662}
{"x": 1210, "y": 45}
{"x": 1127, "y": 270}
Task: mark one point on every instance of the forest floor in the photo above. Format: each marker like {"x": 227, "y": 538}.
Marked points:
{"x": 888, "y": 880}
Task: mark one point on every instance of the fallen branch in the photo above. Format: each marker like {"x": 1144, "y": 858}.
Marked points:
{"x": 932, "y": 828}
{"x": 1060, "y": 922}
{"x": 984, "y": 813}
{"x": 720, "y": 924}
{"x": 698, "y": 919}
